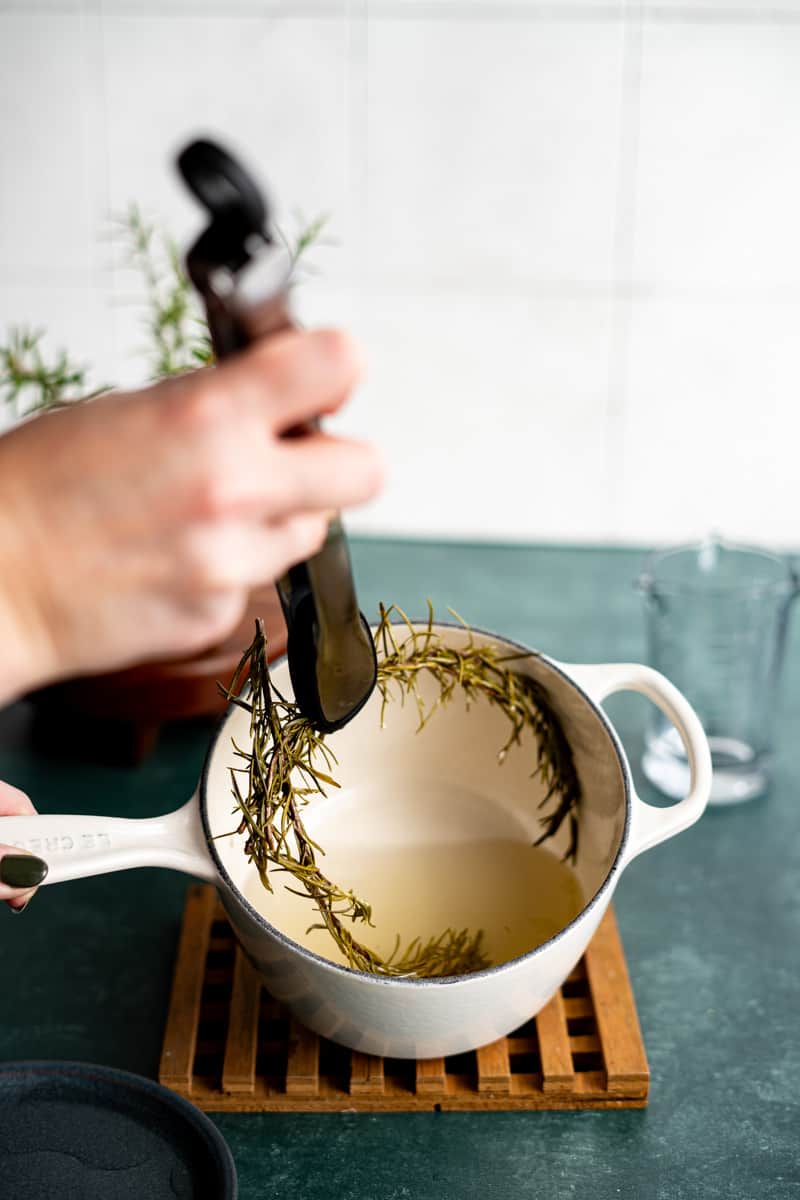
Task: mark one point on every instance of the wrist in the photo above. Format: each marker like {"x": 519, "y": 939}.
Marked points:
{"x": 24, "y": 654}
{"x": 21, "y": 669}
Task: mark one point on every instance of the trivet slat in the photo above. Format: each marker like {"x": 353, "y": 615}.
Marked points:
{"x": 366, "y": 1075}
{"x": 578, "y": 1006}
{"x": 585, "y": 1043}
{"x": 241, "y": 1044}
{"x": 558, "y": 1074}
{"x": 494, "y": 1068}
{"x": 615, "y": 1012}
{"x": 231, "y": 1046}
{"x": 517, "y": 1045}
{"x": 431, "y": 1076}
{"x": 302, "y": 1066}
{"x": 180, "y": 1035}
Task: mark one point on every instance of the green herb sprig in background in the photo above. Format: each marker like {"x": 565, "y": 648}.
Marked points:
{"x": 178, "y": 334}
{"x": 32, "y": 383}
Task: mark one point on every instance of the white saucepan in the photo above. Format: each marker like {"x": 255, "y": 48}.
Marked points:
{"x": 399, "y": 788}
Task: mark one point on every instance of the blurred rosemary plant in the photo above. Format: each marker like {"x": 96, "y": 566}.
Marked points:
{"x": 288, "y": 762}
{"x": 30, "y": 382}
{"x": 178, "y": 338}
{"x": 178, "y": 334}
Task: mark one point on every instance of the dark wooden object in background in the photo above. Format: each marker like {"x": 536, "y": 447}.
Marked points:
{"x": 116, "y": 717}
{"x": 229, "y": 1046}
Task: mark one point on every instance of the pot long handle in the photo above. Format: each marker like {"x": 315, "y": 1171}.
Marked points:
{"x": 76, "y": 846}
{"x": 651, "y": 825}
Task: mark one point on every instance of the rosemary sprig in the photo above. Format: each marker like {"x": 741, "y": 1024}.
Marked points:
{"x": 178, "y": 337}
{"x": 483, "y": 672}
{"x": 308, "y": 233}
{"x": 288, "y": 762}
{"x": 178, "y": 333}
{"x": 177, "y": 328}
{"x": 30, "y": 383}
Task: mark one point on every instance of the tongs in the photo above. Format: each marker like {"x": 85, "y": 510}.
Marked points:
{"x": 242, "y": 274}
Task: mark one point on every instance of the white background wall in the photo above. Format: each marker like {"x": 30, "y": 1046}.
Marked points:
{"x": 568, "y": 232}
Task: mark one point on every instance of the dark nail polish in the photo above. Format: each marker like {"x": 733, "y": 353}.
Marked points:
{"x": 20, "y": 908}
{"x": 22, "y": 870}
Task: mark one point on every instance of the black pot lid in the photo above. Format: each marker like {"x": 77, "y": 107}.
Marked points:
{"x": 75, "y": 1131}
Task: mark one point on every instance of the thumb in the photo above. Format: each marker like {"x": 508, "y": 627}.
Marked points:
{"x": 20, "y": 872}
{"x": 20, "y": 875}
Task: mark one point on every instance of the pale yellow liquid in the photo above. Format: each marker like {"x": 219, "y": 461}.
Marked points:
{"x": 518, "y": 894}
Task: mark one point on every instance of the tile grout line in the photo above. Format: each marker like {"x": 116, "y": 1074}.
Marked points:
{"x": 358, "y": 141}
{"x": 495, "y": 10}
{"x": 102, "y": 273}
{"x": 624, "y": 233}
{"x": 416, "y": 10}
{"x": 18, "y": 274}
{"x": 107, "y": 263}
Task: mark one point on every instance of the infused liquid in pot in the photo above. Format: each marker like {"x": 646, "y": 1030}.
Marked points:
{"x": 518, "y": 894}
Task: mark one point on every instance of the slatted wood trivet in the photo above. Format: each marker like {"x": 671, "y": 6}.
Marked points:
{"x": 230, "y": 1046}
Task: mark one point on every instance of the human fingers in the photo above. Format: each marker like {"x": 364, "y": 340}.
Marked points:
{"x": 320, "y": 471}
{"x": 235, "y": 554}
{"x": 292, "y": 377}
{"x": 294, "y": 475}
{"x": 14, "y": 802}
{"x": 20, "y": 872}
{"x": 20, "y": 900}
{"x": 295, "y": 539}
{"x": 20, "y": 875}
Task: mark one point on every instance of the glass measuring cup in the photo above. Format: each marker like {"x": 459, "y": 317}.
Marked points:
{"x": 716, "y": 625}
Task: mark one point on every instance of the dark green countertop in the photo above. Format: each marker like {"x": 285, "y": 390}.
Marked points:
{"x": 710, "y": 923}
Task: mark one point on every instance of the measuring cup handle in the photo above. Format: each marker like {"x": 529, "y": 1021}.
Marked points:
{"x": 74, "y": 846}
{"x": 651, "y": 825}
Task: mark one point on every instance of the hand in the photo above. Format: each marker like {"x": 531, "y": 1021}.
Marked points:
{"x": 133, "y": 526}
{"x": 17, "y": 866}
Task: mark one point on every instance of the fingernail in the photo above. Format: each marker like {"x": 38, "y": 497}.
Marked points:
{"x": 19, "y": 908}
{"x": 22, "y": 870}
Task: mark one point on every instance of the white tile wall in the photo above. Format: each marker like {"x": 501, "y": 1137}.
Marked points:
{"x": 494, "y": 408}
{"x": 498, "y": 9}
{"x": 493, "y": 152}
{"x": 568, "y": 232}
{"x": 275, "y": 87}
{"x": 52, "y": 156}
{"x": 718, "y": 179}
{"x": 76, "y": 317}
{"x": 48, "y": 6}
{"x": 711, "y": 440}
{"x": 269, "y": 9}
{"x": 702, "y": 11}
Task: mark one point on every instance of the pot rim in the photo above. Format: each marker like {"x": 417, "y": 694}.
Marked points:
{"x": 447, "y": 980}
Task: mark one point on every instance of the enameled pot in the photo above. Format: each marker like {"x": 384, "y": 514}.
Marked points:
{"x": 397, "y": 787}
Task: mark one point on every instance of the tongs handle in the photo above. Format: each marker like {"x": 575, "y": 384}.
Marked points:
{"x": 243, "y": 277}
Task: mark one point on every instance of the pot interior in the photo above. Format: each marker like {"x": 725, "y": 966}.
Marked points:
{"x": 431, "y": 829}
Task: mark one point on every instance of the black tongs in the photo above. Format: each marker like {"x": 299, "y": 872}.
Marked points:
{"x": 242, "y": 274}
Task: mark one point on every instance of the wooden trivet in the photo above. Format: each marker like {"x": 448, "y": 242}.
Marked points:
{"x": 230, "y": 1047}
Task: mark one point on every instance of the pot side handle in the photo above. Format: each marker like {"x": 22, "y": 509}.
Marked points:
{"x": 651, "y": 825}
{"x": 76, "y": 846}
